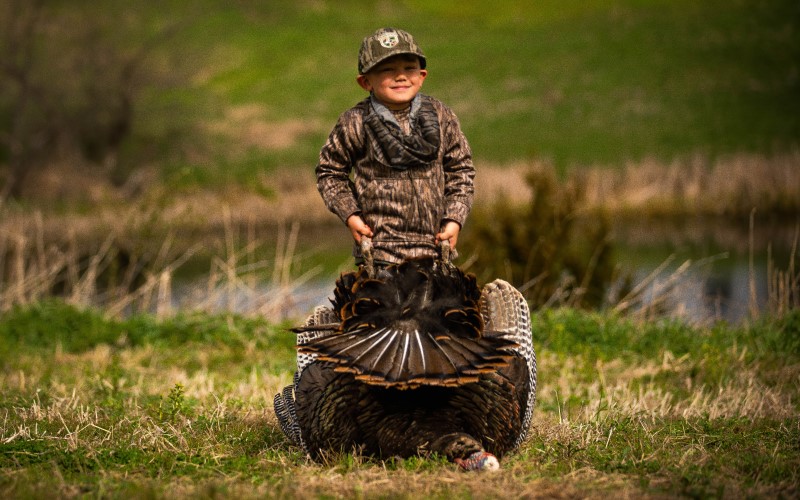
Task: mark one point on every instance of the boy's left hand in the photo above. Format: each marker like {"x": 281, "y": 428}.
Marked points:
{"x": 449, "y": 232}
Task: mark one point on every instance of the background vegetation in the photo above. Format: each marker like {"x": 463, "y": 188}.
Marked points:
{"x": 141, "y": 144}
{"x": 212, "y": 93}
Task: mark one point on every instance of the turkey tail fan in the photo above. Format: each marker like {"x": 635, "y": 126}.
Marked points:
{"x": 405, "y": 359}
{"x": 417, "y": 323}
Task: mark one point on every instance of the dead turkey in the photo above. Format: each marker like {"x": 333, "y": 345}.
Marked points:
{"x": 413, "y": 359}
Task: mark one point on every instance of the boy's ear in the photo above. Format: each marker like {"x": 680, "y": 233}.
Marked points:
{"x": 364, "y": 83}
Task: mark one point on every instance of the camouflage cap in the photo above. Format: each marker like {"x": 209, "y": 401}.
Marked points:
{"x": 385, "y": 43}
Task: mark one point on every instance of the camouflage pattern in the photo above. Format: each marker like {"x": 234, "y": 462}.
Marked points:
{"x": 404, "y": 208}
{"x": 408, "y": 138}
{"x": 385, "y": 43}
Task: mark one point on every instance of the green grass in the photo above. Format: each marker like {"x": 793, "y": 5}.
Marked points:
{"x": 604, "y": 83}
{"x": 182, "y": 407}
{"x": 575, "y": 83}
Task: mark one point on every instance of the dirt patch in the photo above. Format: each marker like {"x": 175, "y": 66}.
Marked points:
{"x": 247, "y": 125}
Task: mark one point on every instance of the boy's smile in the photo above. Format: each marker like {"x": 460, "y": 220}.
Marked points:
{"x": 395, "y": 81}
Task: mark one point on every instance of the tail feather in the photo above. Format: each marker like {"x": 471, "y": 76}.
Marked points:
{"x": 407, "y": 359}
{"x": 416, "y": 323}
{"x": 490, "y": 358}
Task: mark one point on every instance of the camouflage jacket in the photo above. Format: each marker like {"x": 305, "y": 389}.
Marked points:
{"x": 405, "y": 208}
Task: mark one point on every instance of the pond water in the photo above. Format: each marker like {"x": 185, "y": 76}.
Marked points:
{"x": 701, "y": 289}
{"x": 706, "y": 269}
{"x": 698, "y": 270}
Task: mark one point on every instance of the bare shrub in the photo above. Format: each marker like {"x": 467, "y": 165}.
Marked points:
{"x": 545, "y": 248}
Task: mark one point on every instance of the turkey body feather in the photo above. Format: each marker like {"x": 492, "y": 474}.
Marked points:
{"x": 343, "y": 413}
{"x": 413, "y": 360}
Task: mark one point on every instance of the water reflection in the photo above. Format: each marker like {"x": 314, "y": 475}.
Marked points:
{"x": 696, "y": 291}
{"x": 719, "y": 269}
{"x": 696, "y": 270}
{"x": 702, "y": 293}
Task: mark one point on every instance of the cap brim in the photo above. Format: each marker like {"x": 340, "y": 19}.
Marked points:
{"x": 422, "y": 61}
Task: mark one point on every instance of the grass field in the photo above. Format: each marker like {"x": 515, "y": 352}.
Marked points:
{"x": 182, "y": 407}
{"x": 572, "y": 83}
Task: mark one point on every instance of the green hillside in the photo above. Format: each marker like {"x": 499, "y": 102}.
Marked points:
{"x": 570, "y": 82}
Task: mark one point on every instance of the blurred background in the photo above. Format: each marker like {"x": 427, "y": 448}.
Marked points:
{"x": 638, "y": 155}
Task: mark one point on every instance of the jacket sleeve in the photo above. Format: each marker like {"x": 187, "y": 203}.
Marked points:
{"x": 459, "y": 172}
{"x": 336, "y": 161}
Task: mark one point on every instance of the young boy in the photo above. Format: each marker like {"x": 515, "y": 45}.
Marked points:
{"x": 412, "y": 172}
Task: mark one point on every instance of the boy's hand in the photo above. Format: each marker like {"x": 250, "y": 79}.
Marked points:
{"x": 358, "y": 228}
{"x": 449, "y": 232}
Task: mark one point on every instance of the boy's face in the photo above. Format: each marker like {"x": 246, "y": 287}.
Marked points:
{"x": 395, "y": 81}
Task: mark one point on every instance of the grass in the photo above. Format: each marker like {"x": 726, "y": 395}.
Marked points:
{"x": 181, "y": 407}
{"x": 572, "y": 83}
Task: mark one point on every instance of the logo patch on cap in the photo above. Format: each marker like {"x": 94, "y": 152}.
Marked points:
{"x": 389, "y": 39}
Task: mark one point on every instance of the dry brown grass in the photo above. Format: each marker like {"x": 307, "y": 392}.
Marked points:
{"x": 35, "y": 265}
{"x": 624, "y": 390}
{"x": 66, "y": 409}
{"x": 732, "y": 185}
{"x": 44, "y": 247}
{"x": 729, "y": 186}
{"x": 76, "y": 423}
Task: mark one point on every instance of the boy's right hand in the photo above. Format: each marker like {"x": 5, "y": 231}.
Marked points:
{"x": 358, "y": 228}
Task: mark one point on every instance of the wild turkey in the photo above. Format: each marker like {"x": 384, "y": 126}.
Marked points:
{"x": 413, "y": 359}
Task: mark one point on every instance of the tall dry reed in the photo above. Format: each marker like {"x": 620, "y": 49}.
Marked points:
{"x": 237, "y": 280}
{"x": 783, "y": 285}
{"x": 40, "y": 252}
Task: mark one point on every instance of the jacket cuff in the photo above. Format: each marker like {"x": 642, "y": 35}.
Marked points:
{"x": 457, "y": 211}
{"x": 344, "y": 207}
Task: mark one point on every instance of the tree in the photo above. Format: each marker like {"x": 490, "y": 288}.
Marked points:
{"x": 71, "y": 80}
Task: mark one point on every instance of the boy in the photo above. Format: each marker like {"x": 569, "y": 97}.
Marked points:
{"x": 412, "y": 184}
